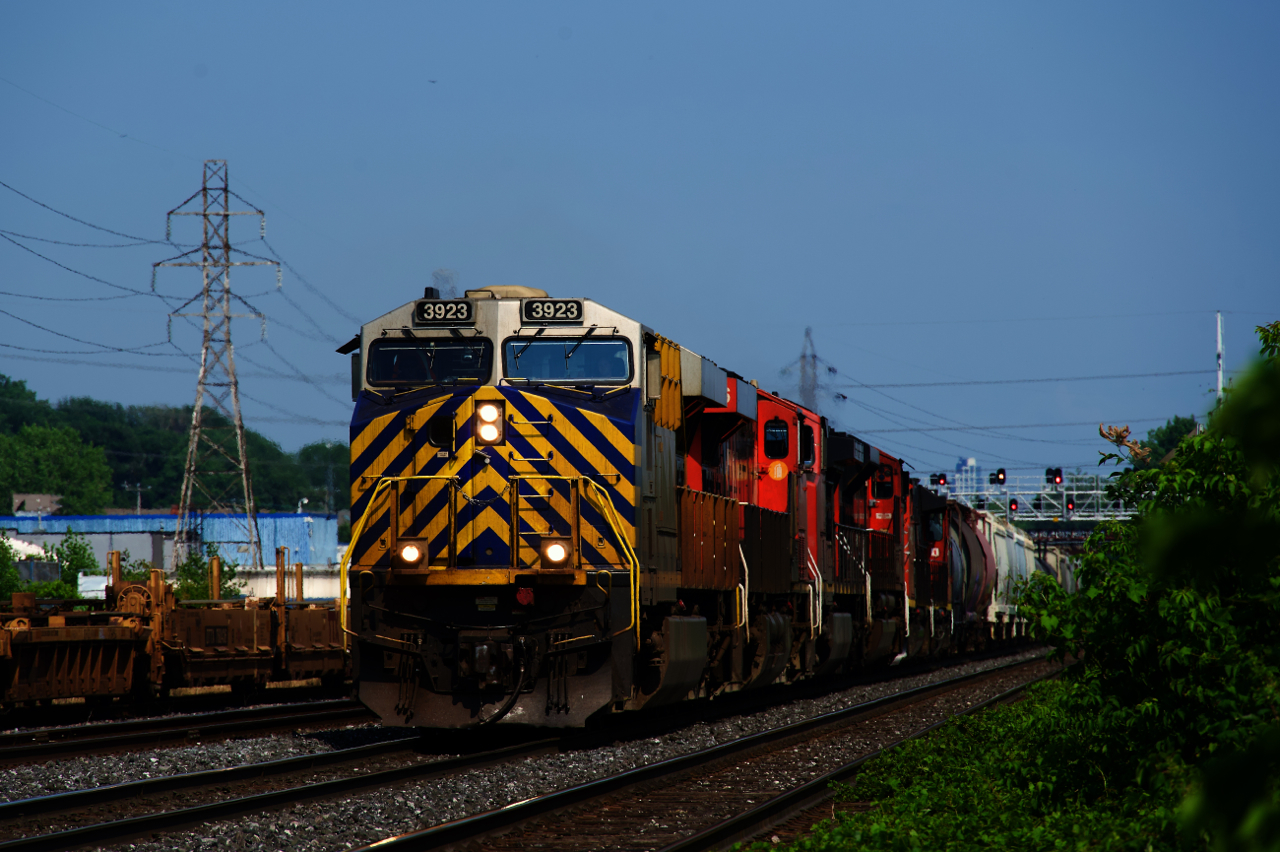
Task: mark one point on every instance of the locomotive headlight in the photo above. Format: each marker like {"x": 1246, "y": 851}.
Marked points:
{"x": 556, "y": 551}
{"x": 488, "y": 423}
{"x": 410, "y": 553}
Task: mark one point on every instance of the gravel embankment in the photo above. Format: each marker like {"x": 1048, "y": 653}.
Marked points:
{"x": 364, "y": 818}
{"x": 78, "y": 773}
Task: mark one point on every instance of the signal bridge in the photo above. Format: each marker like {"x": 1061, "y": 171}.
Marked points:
{"x": 1078, "y": 497}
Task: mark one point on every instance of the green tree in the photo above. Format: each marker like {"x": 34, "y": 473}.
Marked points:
{"x": 10, "y": 581}
{"x": 1163, "y": 439}
{"x": 53, "y": 460}
{"x": 1178, "y": 621}
{"x": 325, "y": 467}
{"x": 192, "y": 577}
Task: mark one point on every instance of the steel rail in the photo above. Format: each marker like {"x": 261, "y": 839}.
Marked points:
{"x": 186, "y": 817}
{"x": 766, "y": 815}
{"x": 199, "y": 814}
{"x": 472, "y": 828}
{"x": 80, "y": 739}
{"x": 74, "y": 800}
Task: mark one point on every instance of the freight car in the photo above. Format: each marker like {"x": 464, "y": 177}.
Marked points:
{"x": 560, "y": 512}
{"x": 141, "y": 642}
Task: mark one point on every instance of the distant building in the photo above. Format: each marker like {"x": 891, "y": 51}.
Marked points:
{"x": 312, "y": 539}
{"x": 36, "y": 504}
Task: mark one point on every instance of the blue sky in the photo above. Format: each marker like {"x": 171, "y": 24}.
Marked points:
{"x": 943, "y": 192}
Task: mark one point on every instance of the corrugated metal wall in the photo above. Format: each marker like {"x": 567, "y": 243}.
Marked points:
{"x": 311, "y": 539}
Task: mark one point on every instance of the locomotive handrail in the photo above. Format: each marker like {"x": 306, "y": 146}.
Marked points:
{"x": 358, "y": 530}
{"x": 615, "y": 523}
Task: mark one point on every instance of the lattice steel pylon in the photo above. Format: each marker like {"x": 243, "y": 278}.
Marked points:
{"x": 216, "y": 477}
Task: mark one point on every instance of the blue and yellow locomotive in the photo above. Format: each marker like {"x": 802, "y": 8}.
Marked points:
{"x": 493, "y": 452}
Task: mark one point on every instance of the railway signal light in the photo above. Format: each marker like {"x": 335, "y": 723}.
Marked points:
{"x": 489, "y": 425}
{"x": 1013, "y": 505}
{"x": 1053, "y": 475}
{"x": 1071, "y": 505}
{"x": 933, "y": 479}
{"x": 942, "y": 479}
{"x": 1000, "y": 477}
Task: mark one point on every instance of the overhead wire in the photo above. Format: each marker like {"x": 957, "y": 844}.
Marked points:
{"x": 971, "y": 382}
{"x": 75, "y": 245}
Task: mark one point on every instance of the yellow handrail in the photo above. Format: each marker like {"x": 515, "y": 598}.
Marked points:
{"x": 611, "y": 515}
{"x": 356, "y": 532}
{"x": 615, "y": 523}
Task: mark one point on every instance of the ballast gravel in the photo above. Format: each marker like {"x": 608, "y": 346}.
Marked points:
{"x": 357, "y": 820}
{"x": 78, "y": 773}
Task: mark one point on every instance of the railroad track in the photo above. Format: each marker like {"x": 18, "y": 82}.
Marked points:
{"x": 16, "y": 818}
{"x": 703, "y": 800}
{"x": 31, "y": 746}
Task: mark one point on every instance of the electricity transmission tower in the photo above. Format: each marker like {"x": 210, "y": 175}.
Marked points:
{"x": 807, "y": 363}
{"x": 216, "y": 478}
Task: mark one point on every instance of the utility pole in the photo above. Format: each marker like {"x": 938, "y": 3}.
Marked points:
{"x": 1219, "y": 356}
{"x": 216, "y": 477}
{"x": 137, "y": 487}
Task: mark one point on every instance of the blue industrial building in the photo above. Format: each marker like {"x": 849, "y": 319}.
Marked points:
{"x": 311, "y": 538}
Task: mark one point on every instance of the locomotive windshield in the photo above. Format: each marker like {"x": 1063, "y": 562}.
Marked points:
{"x": 430, "y": 361}
{"x": 568, "y": 359}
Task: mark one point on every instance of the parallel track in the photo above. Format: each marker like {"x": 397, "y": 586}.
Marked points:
{"x": 530, "y": 823}
{"x": 32, "y": 746}
{"x": 120, "y": 829}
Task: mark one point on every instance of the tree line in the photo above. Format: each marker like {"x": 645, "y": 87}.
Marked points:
{"x": 96, "y": 453}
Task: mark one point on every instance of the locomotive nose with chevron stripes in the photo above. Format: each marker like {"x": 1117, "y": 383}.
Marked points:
{"x": 558, "y": 512}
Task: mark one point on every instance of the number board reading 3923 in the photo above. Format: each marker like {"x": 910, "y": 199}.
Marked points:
{"x": 544, "y": 311}
{"x": 444, "y": 312}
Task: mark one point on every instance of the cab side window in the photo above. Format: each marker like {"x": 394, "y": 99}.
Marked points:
{"x": 806, "y": 445}
{"x": 882, "y": 487}
{"x": 777, "y": 439}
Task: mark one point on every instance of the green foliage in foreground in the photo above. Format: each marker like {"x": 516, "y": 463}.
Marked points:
{"x": 1166, "y": 734}
{"x": 1018, "y": 777}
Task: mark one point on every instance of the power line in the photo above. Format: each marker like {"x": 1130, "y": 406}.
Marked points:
{"x": 335, "y": 378}
{"x": 1020, "y": 426}
{"x": 90, "y": 120}
{"x": 996, "y": 320}
{"x": 73, "y": 218}
{"x": 1026, "y": 381}
{"x": 313, "y": 288}
{"x": 68, "y": 298}
{"x": 76, "y": 245}
{"x": 133, "y": 351}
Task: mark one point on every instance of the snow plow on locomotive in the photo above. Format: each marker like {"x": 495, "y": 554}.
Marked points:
{"x": 559, "y": 512}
